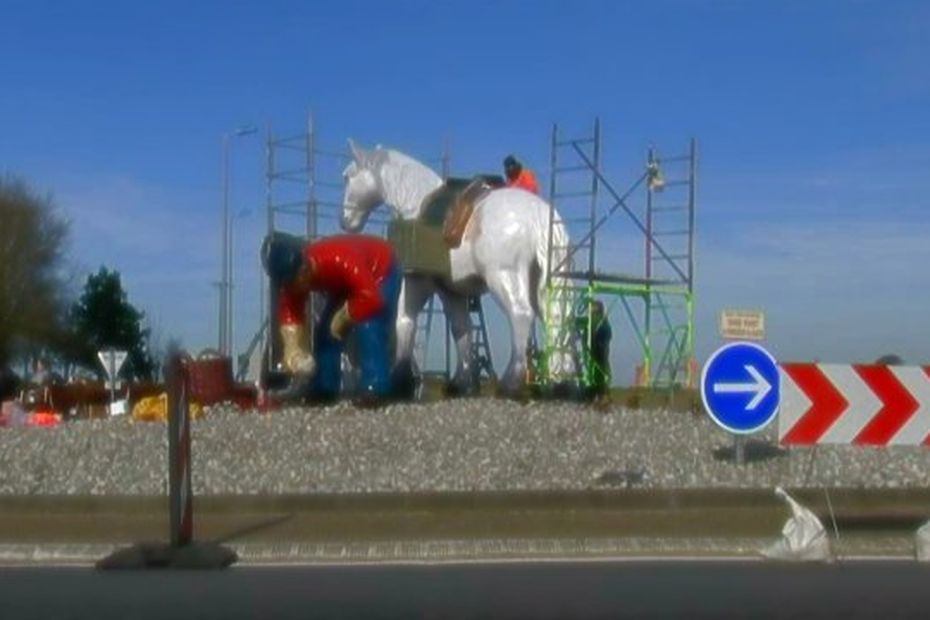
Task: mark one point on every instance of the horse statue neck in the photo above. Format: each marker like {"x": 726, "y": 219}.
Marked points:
{"x": 405, "y": 182}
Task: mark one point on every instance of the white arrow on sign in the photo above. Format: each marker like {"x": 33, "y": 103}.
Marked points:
{"x": 760, "y": 387}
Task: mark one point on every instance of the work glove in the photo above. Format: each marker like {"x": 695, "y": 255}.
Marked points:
{"x": 297, "y": 358}
{"x": 341, "y": 323}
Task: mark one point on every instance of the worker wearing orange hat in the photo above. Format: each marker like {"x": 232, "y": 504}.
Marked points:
{"x": 518, "y": 176}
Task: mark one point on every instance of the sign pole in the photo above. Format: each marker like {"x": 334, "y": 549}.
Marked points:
{"x": 111, "y": 373}
{"x": 181, "y": 515}
{"x": 739, "y": 449}
{"x": 112, "y": 361}
{"x": 182, "y": 551}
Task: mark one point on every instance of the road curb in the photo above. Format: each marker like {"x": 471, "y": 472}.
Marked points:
{"x": 845, "y": 502}
{"x": 469, "y": 551}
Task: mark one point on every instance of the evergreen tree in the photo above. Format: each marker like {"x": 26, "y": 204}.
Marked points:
{"x": 103, "y": 318}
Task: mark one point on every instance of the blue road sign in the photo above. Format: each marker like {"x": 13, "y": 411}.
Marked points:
{"x": 739, "y": 387}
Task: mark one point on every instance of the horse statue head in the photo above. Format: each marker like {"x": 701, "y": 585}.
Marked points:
{"x": 383, "y": 176}
{"x": 363, "y": 191}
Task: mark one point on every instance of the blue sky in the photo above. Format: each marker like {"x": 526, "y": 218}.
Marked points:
{"x": 811, "y": 116}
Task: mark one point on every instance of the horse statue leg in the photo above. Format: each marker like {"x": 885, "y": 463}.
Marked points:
{"x": 465, "y": 380}
{"x": 513, "y": 292}
{"x": 414, "y": 292}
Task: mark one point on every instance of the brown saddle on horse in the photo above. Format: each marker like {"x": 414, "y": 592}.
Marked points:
{"x": 457, "y": 218}
{"x": 463, "y": 207}
{"x": 422, "y": 245}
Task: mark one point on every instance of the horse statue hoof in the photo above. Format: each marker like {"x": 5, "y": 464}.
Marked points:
{"x": 514, "y": 390}
{"x": 369, "y": 400}
{"x": 565, "y": 390}
{"x": 519, "y": 395}
{"x": 455, "y": 390}
{"x": 463, "y": 385}
{"x": 405, "y": 381}
{"x": 295, "y": 390}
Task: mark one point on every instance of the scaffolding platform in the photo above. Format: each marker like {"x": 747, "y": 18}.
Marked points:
{"x": 613, "y": 278}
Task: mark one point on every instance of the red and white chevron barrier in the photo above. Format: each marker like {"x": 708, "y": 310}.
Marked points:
{"x": 858, "y": 405}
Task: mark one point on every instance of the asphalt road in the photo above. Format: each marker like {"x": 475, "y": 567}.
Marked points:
{"x": 527, "y": 590}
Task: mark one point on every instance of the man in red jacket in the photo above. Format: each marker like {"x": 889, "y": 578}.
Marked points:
{"x": 518, "y": 176}
{"x": 361, "y": 279}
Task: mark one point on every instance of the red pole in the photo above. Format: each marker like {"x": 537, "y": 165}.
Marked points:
{"x": 179, "y": 453}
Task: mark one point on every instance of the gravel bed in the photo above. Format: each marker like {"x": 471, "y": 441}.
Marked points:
{"x": 463, "y": 445}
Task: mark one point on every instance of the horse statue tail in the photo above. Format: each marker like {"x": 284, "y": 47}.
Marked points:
{"x": 554, "y": 298}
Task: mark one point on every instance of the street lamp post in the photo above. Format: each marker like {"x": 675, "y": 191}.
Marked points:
{"x": 225, "y": 310}
{"x": 220, "y": 324}
{"x": 221, "y": 320}
{"x": 229, "y": 310}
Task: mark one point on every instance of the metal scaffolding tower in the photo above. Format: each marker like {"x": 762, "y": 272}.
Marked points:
{"x": 480, "y": 344}
{"x": 659, "y": 303}
{"x": 669, "y": 256}
{"x": 303, "y": 196}
{"x": 297, "y": 201}
{"x": 303, "y": 184}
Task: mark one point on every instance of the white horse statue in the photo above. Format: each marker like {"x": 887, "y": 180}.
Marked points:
{"x": 503, "y": 250}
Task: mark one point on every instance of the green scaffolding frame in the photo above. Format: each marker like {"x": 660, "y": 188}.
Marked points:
{"x": 663, "y": 325}
{"x": 665, "y": 348}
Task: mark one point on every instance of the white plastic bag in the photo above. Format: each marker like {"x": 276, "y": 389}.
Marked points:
{"x": 803, "y": 537}
{"x": 923, "y": 543}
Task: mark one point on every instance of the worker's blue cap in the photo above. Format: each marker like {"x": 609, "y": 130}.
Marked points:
{"x": 282, "y": 257}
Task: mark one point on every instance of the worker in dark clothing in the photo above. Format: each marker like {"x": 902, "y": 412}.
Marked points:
{"x": 597, "y": 334}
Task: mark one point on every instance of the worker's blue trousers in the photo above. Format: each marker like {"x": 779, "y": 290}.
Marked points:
{"x": 373, "y": 340}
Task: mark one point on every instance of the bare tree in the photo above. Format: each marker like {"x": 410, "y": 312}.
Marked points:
{"x": 33, "y": 238}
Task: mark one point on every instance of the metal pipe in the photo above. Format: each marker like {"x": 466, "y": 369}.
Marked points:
{"x": 227, "y": 344}
{"x": 229, "y": 307}
{"x": 692, "y": 193}
{"x": 220, "y": 324}
{"x": 650, "y": 162}
{"x": 312, "y": 219}
{"x": 553, "y": 164}
{"x": 647, "y": 315}
{"x": 224, "y": 268}
{"x": 448, "y": 351}
{"x": 232, "y": 281}
{"x": 269, "y": 218}
{"x": 312, "y": 223}
{"x": 592, "y": 254}
{"x": 446, "y": 171}
{"x": 229, "y": 279}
